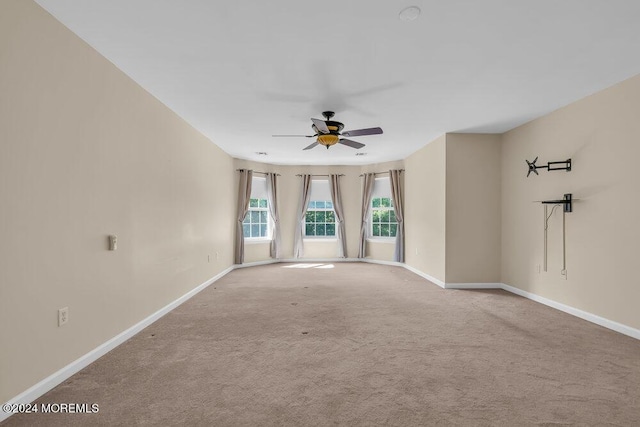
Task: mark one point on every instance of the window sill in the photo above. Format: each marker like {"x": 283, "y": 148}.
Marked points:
{"x": 320, "y": 239}
{"x": 256, "y": 240}
{"x": 381, "y": 239}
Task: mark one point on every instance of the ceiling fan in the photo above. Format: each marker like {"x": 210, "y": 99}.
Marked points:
{"x": 329, "y": 133}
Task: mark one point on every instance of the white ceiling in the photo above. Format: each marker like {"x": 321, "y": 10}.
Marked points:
{"x": 240, "y": 71}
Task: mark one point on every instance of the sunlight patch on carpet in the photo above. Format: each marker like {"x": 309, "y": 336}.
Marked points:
{"x": 305, "y": 265}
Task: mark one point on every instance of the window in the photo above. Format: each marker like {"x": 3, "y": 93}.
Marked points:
{"x": 383, "y": 215}
{"x": 383, "y": 218}
{"x": 320, "y": 219}
{"x": 257, "y": 223}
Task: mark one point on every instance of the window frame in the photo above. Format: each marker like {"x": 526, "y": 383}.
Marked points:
{"x": 333, "y": 236}
{"x": 267, "y": 236}
{"x": 391, "y": 209}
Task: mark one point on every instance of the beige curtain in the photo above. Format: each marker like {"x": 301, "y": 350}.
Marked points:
{"x": 367, "y": 191}
{"x": 272, "y": 197}
{"x": 244, "y": 196}
{"x": 298, "y": 245}
{"x": 397, "y": 193}
{"x": 336, "y": 198}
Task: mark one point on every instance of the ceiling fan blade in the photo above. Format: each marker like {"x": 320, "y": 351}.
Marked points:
{"x": 363, "y": 132}
{"x": 320, "y": 125}
{"x": 309, "y": 147}
{"x": 301, "y": 136}
{"x": 350, "y": 143}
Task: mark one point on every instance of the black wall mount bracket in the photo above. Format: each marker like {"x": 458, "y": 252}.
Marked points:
{"x": 567, "y": 202}
{"x": 551, "y": 166}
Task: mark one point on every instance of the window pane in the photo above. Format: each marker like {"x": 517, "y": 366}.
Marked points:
{"x": 310, "y": 216}
{"x": 391, "y": 202}
{"x": 320, "y": 204}
{"x": 263, "y": 217}
{"x": 376, "y": 202}
{"x": 255, "y": 217}
{"x": 385, "y": 201}
{"x": 253, "y": 203}
{"x": 255, "y": 230}
{"x": 392, "y": 216}
{"x": 384, "y": 230}
{"x": 330, "y": 216}
{"x": 376, "y": 216}
{"x": 320, "y": 216}
{"x": 311, "y": 205}
{"x": 394, "y": 229}
{"x": 320, "y": 230}
{"x": 310, "y": 230}
{"x": 247, "y": 219}
{"x": 328, "y": 205}
{"x": 263, "y": 203}
{"x": 263, "y": 230}
{"x": 246, "y": 230}
{"x": 384, "y": 216}
{"x": 330, "y": 229}
{"x": 376, "y": 230}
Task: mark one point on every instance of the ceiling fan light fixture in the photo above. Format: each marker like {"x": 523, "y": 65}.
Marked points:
{"x": 328, "y": 139}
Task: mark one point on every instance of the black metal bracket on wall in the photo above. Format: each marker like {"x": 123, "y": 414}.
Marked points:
{"x": 567, "y": 202}
{"x": 551, "y": 166}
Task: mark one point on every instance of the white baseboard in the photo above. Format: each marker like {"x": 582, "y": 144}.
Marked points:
{"x": 590, "y": 317}
{"x": 256, "y": 263}
{"x": 381, "y": 262}
{"x": 609, "y": 324}
{"x": 473, "y": 286}
{"x": 61, "y": 375}
{"x": 425, "y": 275}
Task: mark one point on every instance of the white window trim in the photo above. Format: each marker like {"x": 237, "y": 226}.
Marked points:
{"x": 261, "y": 239}
{"x": 323, "y": 238}
{"x": 256, "y": 240}
{"x": 381, "y": 239}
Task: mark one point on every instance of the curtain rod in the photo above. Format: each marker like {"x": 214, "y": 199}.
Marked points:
{"x": 381, "y": 173}
{"x": 319, "y": 175}
{"x": 263, "y": 173}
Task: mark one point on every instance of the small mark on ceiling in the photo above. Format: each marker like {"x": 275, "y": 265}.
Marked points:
{"x": 410, "y": 13}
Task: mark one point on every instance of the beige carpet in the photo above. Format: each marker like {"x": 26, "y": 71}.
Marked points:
{"x": 357, "y": 344}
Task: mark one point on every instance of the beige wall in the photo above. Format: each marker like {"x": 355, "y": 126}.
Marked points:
{"x": 425, "y": 215}
{"x": 600, "y": 133}
{"x": 473, "y": 208}
{"x": 85, "y": 152}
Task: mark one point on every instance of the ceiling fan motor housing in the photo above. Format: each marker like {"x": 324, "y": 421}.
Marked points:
{"x": 331, "y": 138}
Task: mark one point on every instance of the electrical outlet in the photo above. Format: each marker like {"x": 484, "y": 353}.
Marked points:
{"x": 208, "y": 258}
{"x": 63, "y": 316}
{"x": 563, "y": 273}
{"x": 416, "y": 251}
{"x": 538, "y": 268}
{"x": 217, "y": 256}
